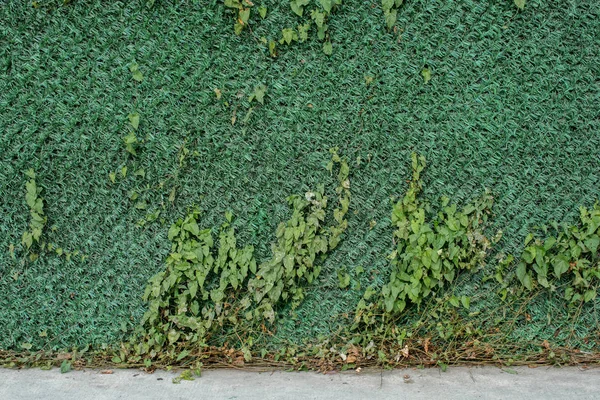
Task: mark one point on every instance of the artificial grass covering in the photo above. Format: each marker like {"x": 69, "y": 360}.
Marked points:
{"x": 512, "y": 105}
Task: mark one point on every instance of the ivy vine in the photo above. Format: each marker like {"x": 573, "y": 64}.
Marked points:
{"x": 432, "y": 248}
{"x": 36, "y": 210}
{"x": 320, "y": 12}
{"x": 208, "y": 287}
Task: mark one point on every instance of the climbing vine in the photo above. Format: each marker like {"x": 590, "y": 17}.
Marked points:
{"x": 208, "y": 287}
{"x": 432, "y": 248}
{"x": 567, "y": 257}
{"x": 300, "y": 242}
{"x": 312, "y": 13}
{"x": 36, "y": 210}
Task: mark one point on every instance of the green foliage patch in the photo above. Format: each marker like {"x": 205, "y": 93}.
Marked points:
{"x": 433, "y": 246}
{"x": 562, "y": 258}
{"x": 209, "y": 288}
{"x": 36, "y": 205}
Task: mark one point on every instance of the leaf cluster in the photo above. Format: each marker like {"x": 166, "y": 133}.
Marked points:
{"x": 432, "y": 248}
{"x": 568, "y": 253}
{"x": 390, "y": 11}
{"x": 36, "y": 210}
{"x": 208, "y": 287}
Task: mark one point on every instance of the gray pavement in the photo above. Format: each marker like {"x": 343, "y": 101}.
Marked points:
{"x": 456, "y": 383}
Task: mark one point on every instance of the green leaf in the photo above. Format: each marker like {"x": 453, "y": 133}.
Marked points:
{"x": 343, "y": 278}
{"x": 298, "y": 6}
{"x": 193, "y": 287}
{"x": 528, "y": 281}
{"x": 192, "y": 227}
{"x": 589, "y": 295}
{"x": 390, "y": 18}
{"x": 318, "y": 17}
{"x": 244, "y": 15}
{"x": 529, "y": 254}
{"x": 65, "y": 367}
{"x": 454, "y": 301}
{"x": 137, "y": 76}
{"x": 288, "y": 262}
{"x": 130, "y": 140}
{"x": 549, "y": 242}
{"x": 592, "y": 244}
{"x": 134, "y": 120}
{"x": 297, "y": 9}
{"x": 521, "y": 271}
{"x": 258, "y": 94}
{"x": 26, "y": 346}
{"x": 369, "y": 292}
{"x": 327, "y": 48}
{"x": 112, "y": 176}
{"x": 30, "y": 173}
{"x": 117, "y": 360}
{"x": 426, "y": 73}
{"x": 561, "y": 265}
{"x": 389, "y": 303}
{"x": 135, "y": 70}
{"x": 272, "y": 48}
{"x": 173, "y": 231}
{"x": 303, "y": 32}
{"x": 466, "y": 302}
{"x": 262, "y": 11}
{"x": 173, "y": 336}
{"x": 183, "y": 355}
{"x": 387, "y": 4}
{"x": 31, "y": 193}
{"x": 569, "y": 293}
{"x": 327, "y": 5}
{"x": 27, "y": 239}
{"x": 520, "y": 4}
{"x": 238, "y": 28}
{"x": 233, "y": 4}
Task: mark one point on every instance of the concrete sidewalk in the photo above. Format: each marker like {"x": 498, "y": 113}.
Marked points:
{"x": 456, "y": 383}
